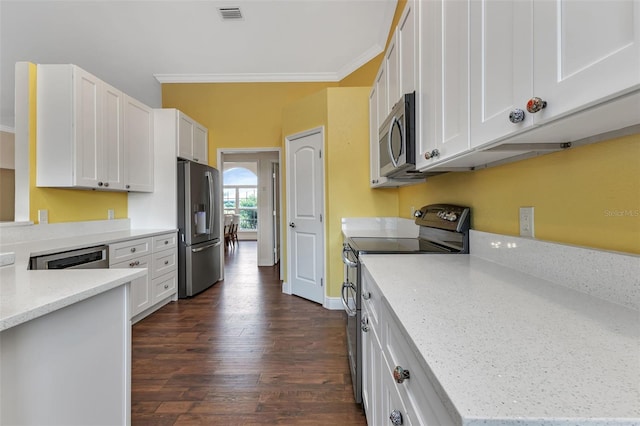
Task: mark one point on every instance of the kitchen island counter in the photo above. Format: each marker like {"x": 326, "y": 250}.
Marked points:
{"x": 27, "y": 294}
{"x": 504, "y": 347}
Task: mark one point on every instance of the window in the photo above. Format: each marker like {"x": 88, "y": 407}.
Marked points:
{"x": 240, "y": 194}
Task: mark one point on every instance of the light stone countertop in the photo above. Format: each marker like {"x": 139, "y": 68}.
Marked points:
{"x": 26, "y": 294}
{"x": 508, "y": 348}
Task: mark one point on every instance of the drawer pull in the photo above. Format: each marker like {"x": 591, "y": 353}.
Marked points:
{"x": 396, "y": 418}
{"x": 364, "y": 324}
{"x": 166, "y": 286}
{"x": 400, "y": 374}
{"x": 133, "y": 249}
{"x": 166, "y": 262}
{"x": 136, "y": 263}
{"x": 366, "y": 295}
{"x": 166, "y": 242}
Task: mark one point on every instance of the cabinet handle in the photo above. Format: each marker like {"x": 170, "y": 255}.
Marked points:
{"x": 100, "y": 184}
{"x": 396, "y": 418}
{"x": 166, "y": 242}
{"x": 166, "y": 286}
{"x": 516, "y": 116}
{"x": 536, "y": 104}
{"x": 127, "y": 186}
{"x": 364, "y": 324}
{"x": 106, "y": 184}
{"x": 366, "y": 295}
{"x": 133, "y": 249}
{"x": 166, "y": 262}
{"x": 400, "y": 374}
{"x": 433, "y": 154}
{"x": 136, "y": 263}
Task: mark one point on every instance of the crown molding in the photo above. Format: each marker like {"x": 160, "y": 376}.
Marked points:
{"x": 247, "y": 78}
{"x": 368, "y": 55}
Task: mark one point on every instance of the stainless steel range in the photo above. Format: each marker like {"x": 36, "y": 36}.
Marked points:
{"x": 443, "y": 229}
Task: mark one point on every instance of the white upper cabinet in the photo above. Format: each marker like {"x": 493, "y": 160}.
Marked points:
{"x": 82, "y": 133}
{"x": 112, "y": 158}
{"x": 138, "y": 136}
{"x": 501, "y": 65}
{"x": 407, "y": 42}
{"x": 392, "y": 65}
{"x": 443, "y": 96}
{"x": 584, "y": 52}
{"x": 579, "y": 53}
{"x": 192, "y": 139}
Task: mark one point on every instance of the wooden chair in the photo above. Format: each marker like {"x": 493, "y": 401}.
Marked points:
{"x": 227, "y": 230}
{"x": 235, "y": 223}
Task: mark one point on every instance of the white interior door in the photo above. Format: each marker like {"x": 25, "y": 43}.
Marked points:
{"x": 305, "y": 207}
{"x": 275, "y": 191}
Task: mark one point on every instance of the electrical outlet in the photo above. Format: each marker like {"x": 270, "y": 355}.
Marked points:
{"x": 526, "y": 222}
{"x": 43, "y": 217}
{"x": 111, "y": 214}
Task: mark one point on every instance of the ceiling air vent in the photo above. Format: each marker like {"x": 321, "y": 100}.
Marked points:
{"x": 230, "y": 13}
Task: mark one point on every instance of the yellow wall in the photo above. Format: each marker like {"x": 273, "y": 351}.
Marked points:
{"x": 238, "y": 115}
{"x": 344, "y": 112}
{"x": 65, "y": 205}
{"x": 588, "y": 196}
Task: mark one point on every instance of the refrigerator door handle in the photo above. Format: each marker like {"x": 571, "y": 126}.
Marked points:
{"x": 211, "y": 196}
{"x": 196, "y": 250}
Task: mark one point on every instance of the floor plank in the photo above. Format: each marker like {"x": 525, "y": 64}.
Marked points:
{"x": 242, "y": 353}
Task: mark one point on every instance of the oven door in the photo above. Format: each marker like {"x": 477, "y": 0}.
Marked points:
{"x": 350, "y": 298}
{"x": 351, "y": 302}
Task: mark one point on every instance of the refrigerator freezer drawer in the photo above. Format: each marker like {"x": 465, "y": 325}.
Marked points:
{"x": 201, "y": 267}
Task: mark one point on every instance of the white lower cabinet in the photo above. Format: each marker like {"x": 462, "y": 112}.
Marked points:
{"x": 159, "y": 255}
{"x": 385, "y": 348}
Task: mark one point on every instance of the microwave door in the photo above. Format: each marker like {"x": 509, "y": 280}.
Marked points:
{"x": 396, "y": 143}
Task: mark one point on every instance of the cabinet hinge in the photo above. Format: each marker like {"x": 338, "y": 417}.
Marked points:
{"x": 320, "y": 153}
{"x": 321, "y": 282}
{"x": 320, "y": 217}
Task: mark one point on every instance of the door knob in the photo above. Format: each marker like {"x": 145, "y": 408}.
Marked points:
{"x": 293, "y": 225}
{"x": 516, "y": 116}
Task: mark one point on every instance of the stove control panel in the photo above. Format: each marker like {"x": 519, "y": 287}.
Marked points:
{"x": 444, "y": 216}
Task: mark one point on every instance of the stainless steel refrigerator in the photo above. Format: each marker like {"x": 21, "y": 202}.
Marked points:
{"x": 198, "y": 228}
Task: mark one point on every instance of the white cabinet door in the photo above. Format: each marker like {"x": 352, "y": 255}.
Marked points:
{"x": 392, "y": 65}
{"x": 185, "y": 136}
{"x": 501, "y": 68}
{"x": 138, "y": 135}
{"x": 407, "y": 42}
{"x": 87, "y": 110}
{"x": 383, "y": 94}
{"x": 200, "y": 144}
{"x": 112, "y": 138}
{"x": 452, "y": 82}
{"x": 374, "y": 157}
{"x": 584, "y": 51}
{"x": 141, "y": 292}
{"x": 443, "y": 100}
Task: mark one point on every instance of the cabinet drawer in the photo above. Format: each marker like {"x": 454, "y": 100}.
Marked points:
{"x": 371, "y": 298}
{"x": 163, "y": 242}
{"x": 423, "y": 405}
{"x": 164, "y": 286}
{"x": 163, "y": 262}
{"x": 126, "y": 250}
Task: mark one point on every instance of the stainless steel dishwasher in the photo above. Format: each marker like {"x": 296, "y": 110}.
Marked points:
{"x": 85, "y": 258}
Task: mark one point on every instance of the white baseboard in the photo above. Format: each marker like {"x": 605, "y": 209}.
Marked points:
{"x": 286, "y": 287}
{"x": 333, "y": 303}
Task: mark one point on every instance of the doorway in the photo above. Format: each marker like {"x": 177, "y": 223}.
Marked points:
{"x": 305, "y": 212}
{"x": 255, "y": 202}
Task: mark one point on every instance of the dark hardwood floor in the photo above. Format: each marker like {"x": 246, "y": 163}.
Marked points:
{"x": 242, "y": 353}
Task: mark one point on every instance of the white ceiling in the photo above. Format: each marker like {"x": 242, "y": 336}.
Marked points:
{"x": 136, "y": 44}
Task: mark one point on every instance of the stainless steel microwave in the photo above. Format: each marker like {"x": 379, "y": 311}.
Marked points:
{"x": 397, "y": 141}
